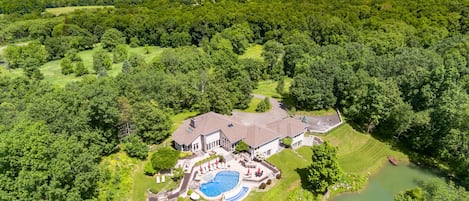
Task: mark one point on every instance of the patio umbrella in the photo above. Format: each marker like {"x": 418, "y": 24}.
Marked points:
{"x": 201, "y": 168}
{"x": 216, "y": 161}
{"x": 258, "y": 170}
{"x": 195, "y": 196}
{"x": 208, "y": 165}
{"x": 248, "y": 171}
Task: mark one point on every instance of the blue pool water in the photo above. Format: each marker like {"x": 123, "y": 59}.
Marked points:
{"x": 223, "y": 181}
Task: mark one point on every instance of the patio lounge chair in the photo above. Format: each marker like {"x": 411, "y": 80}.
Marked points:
{"x": 157, "y": 179}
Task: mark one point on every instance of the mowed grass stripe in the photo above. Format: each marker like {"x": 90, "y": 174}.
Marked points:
{"x": 358, "y": 152}
{"x": 346, "y": 138}
{"x": 370, "y": 154}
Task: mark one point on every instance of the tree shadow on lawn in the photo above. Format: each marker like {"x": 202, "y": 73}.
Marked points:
{"x": 303, "y": 172}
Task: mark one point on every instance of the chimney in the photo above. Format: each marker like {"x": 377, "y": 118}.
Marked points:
{"x": 193, "y": 123}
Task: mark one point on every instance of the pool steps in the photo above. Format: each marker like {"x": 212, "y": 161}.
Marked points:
{"x": 241, "y": 194}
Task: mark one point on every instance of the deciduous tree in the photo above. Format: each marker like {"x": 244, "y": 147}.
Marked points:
{"x": 101, "y": 61}
{"x": 120, "y": 53}
{"x": 164, "y": 158}
{"x": 324, "y": 171}
{"x": 153, "y": 123}
{"x": 112, "y": 38}
{"x": 241, "y": 147}
{"x": 66, "y": 66}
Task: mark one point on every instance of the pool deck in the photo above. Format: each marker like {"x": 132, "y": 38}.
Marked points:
{"x": 245, "y": 180}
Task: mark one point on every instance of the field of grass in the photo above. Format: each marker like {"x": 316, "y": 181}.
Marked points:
{"x": 52, "y": 71}
{"x": 69, "y": 9}
{"x": 128, "y": 179}
{"x": 253, "y": 52}
{"x": 143, "y": 182}
{"x": 360, "y": 153}
{"x": 253, "y": 105}
{"x": 291, "y": 165}
{"x": 119, "y": 166}
{"x": 11, "y": 73}
{"x": 267, "y": 88}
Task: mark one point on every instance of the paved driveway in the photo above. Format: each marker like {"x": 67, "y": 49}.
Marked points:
{"x": 276, "y": 113}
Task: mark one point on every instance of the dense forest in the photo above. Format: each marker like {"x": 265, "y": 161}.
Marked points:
{"x": 397, "y": 69}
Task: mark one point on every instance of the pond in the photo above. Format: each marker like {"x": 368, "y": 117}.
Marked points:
{"x": 387, "y": 182}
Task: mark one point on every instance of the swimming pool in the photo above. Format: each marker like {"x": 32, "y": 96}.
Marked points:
{"x": 223, "y": 181}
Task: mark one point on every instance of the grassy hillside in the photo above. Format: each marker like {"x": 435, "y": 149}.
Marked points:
{"x": 69, "y": 9}
{"x": 358, "y": 153}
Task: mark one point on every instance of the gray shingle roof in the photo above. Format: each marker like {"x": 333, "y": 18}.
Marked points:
{"x": 234, "y": 130}
{"x": 289, "y": 127}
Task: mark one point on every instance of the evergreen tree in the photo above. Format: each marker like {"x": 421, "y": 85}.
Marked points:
{"x": 261, "y": 107}
{"x": 126, "y": 67}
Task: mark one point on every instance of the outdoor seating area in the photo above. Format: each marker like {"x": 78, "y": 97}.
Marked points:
{"x": 160, "y": 180}
{"x": 210, "y": 167}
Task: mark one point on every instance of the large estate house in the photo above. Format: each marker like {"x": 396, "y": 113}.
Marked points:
{"x": 211, "y": 130}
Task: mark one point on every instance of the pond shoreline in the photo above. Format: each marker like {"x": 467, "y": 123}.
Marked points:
{"x": 370, "y": 174}
{"x": 388, "y": 180}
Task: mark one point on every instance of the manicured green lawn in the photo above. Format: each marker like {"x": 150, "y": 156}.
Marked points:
{"x": 143, "y": 182}
{"x": 253, "y": 52}
{"x": 360, "y": 153}
{"x": 267, "y": 88}
{"x": 253, "y": 105}
{"x": 69, "y": 9}
{"x": 289, "y": 163}
{"x": 52, "y": 71}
